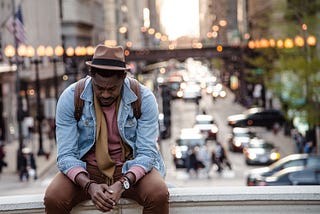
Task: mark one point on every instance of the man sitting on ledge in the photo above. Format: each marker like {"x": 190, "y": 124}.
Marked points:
{"x": 109, "y": 153}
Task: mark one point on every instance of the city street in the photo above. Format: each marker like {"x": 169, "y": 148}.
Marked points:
{"x": 182, "y": 116}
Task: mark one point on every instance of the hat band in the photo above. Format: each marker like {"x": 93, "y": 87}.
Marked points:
{"x": 109, "y": 62}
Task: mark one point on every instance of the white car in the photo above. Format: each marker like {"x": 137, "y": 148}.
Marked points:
{"x": 206, "y": 125}
{"x": 192, "y": 92}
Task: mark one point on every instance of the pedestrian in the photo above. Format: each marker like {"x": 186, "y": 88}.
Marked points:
{"x": 28, "y": 167}
{"x": 3, "y": 163}
{"x": 308, "y": 148}
{"x": 203, "y": 156}
{"x": 221, "y": 157}
{"x": 298, "y": 140}
{"x": 108, "y": 153}
{"x": 192, "y": 162}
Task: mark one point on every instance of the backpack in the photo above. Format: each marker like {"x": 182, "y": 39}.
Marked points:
{"x": 78, "y": 103}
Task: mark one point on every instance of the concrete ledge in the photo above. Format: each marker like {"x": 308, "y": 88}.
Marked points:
{"x": 280, "y": 199}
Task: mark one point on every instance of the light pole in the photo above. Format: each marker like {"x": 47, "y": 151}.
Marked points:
{"x": 58, "y": 52}
{"x": 36, "y": 61}
{"x": 10, "y": 52}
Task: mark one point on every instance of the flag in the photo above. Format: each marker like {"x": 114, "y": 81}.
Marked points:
{"x": 15, "y": 26}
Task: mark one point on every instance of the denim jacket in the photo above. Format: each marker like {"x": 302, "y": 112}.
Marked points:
{"x": 74, "y": 139}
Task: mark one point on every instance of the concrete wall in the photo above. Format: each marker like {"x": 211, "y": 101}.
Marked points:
{"x": 280, "y": 200}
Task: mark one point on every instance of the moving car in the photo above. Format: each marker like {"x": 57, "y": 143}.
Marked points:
{"x": 206, "y": 125}
{"x": 239, "y": 138}
{"x": 192, "y": 92}
{"x": 306, "y": 160}
{"x": 260, "y": 152}
{"x": 188, "y": 139}
{"x": 216, "y": 90}
{"x": 257, "y": 117}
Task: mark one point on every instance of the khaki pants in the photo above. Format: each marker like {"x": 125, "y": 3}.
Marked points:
{"x": 151, "y": 192}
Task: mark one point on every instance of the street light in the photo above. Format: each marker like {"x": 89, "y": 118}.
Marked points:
{"x": 10, "y": 52}
{"x": 40, "y": 53}
{"x": 54, "y": 56}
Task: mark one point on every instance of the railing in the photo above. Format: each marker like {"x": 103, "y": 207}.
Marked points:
{"x": 275, "y": 199}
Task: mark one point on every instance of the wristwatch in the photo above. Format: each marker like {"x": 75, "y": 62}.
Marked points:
{"x": 125, "y": 182}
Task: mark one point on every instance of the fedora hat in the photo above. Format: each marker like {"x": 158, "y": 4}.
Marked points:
{"x": 108, "y": 58}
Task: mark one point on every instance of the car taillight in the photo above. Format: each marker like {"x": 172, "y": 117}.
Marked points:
{"x": 250, "y": 183}
{"x": 262, "y": 183}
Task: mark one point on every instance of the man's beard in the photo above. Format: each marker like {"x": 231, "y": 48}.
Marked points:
{"x": 107, "y": 102}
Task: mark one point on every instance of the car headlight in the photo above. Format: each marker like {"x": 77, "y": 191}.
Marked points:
{"x": 275, "y": 156}
{"x": 178, "y": 154}
{"x": 180, "y": 94}
{"x": 215, "y": 94}
{"x": 251, "y": 156}
{"x": 223, "y": 93}
{"x": 214, "y": 129}
{"x": 237, "y": 143}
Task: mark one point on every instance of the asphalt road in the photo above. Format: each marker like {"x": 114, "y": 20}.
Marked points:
{"x": 183, "y": 116}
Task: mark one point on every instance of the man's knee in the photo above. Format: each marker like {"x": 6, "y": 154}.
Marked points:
{"x": 57, "y": 202}
{"x": 50, "y": 200}
{"x": 158, "y": 193}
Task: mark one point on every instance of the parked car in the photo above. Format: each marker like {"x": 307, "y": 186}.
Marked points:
{"x": 307, "y": 176}
{"x": 296, "y": 175}
{"x": 239, "y": 138}
{"x": 279, "y": 178}
{"x": 268, "y": 118}
{"x": 188, "y": 139}
{"x": 206, "y": 125}
{"x": 309, "y": 161}
{"x": 260, "y": 152}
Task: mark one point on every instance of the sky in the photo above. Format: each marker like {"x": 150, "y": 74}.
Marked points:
{"x": 180, "y": 18}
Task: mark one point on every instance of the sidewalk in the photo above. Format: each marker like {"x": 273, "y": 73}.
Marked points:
{"x": 10, "y": 176}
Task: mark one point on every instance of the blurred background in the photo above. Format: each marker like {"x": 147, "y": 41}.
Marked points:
{"x": 240, "y": 77}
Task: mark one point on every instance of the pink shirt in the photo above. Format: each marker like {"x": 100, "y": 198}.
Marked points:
{"x": 114, "y": 146}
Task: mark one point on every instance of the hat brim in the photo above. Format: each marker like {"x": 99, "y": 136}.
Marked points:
{"x": 108, "y": 67}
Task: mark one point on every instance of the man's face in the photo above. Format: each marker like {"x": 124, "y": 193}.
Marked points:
{"x": 107, "y": 89}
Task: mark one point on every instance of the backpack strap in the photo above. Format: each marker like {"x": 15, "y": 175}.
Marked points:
{"x": 78, "y": 103}
{"x": 136, "y": 105}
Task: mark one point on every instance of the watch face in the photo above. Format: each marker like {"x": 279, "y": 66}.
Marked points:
{"x": 126, "y": 184}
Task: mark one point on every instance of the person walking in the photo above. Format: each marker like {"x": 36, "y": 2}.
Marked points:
{"x": 3, "y": 163}
{"x": 204, "y": 158}
{"x": 192, "y": 163}
{"x": 221, "y": 158}
{"x": 109, "y": 153}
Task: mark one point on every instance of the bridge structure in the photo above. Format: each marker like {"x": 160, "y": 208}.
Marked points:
{"x": 232, "y": 57}
{"x": 181, "y": 54}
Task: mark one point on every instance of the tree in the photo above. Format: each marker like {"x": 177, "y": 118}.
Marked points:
{"x": 292, "y": 72}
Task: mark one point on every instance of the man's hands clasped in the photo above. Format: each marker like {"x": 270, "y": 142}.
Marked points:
{"x": 105, "y": 197}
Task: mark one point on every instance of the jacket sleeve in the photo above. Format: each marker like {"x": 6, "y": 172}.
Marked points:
{"x": 68, "y": 154}
{"x": 146, "y": 153}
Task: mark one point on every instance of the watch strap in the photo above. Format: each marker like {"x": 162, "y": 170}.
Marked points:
{"x": 125, "y": 182}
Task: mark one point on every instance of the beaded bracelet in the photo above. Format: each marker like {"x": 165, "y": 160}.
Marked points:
{"x": 86, "y": 187}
